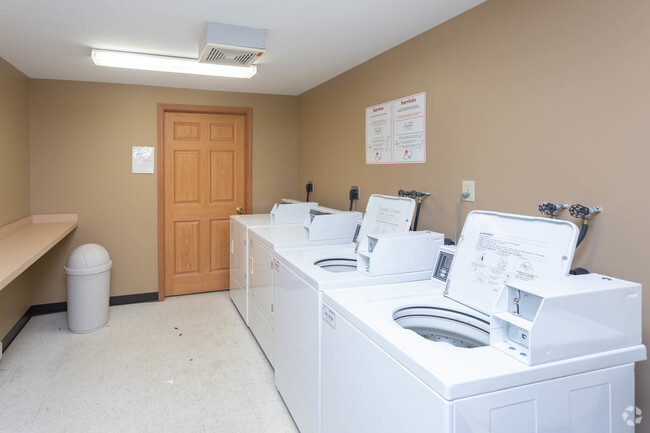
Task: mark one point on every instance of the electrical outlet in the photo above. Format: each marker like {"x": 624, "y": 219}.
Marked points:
{"x": 310, "y": 186}
{"x": 468, "y": 187}
{"x": 354, "y": 192}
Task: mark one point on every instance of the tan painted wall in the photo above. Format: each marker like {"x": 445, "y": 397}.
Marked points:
{"x": 534, "y": 100}
{"x": 81, "y": 138}
{"x": 14, "y": 144}
{"x": 15, "y": 299}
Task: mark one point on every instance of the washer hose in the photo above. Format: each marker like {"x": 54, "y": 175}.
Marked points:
{"x": 584, "y": 213}
{"x": 417, "y": 215}
{"x": 418, "y": 197}
{"x": 583, "y": 231}
{"x": 463, "y": 195}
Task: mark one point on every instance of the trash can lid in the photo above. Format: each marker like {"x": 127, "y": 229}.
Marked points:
{"x": 88, "y": 259}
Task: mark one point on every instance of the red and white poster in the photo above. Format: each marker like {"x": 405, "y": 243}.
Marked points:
{"x": 396, "y": 131}
{"x": 379, "y": 134}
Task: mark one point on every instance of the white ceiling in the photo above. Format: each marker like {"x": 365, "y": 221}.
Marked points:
{"x": 308, "y": 41}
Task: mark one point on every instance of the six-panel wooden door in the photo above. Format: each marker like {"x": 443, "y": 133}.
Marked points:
{"x": 204, "y": 183}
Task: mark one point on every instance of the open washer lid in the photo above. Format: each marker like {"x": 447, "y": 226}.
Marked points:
{"x": 386, "y": 214}
{"x": 495, "y": 248}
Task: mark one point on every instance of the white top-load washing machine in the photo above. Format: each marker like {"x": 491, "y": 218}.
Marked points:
{"x": 332, "y": 227}
{"x": 287, "y": 212}
{"x": 301, "y": 276}
{"x": 510, "y": 344}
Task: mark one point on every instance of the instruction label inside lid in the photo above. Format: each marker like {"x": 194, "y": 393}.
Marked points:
{"x": 386, "y": 214}
{"x": 495, "y": 248}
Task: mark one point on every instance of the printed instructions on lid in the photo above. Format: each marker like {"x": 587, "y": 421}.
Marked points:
{"x": 395, "y": 131}
{"x": 386, "y": 215}
{"x": 386, "y": 219}
{"x": 499, "y": 258}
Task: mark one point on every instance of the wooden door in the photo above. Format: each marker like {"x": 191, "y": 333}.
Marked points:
{"x": 205, "y": 165}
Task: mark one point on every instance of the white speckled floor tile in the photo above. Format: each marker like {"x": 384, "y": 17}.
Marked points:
{"x": 119, "y": 417}
{"x": 26, "y": 383}
{"x": 188, "y": 364}
{"x": 128, "y": 386}
{"x": 174, "y": 411}
{"x": 18, "y": 415}
{"x": 227, "y": 407}
{"x": 126, "y": 355}
{"x": 244, "y": 425}
{"x": 63, "y": 413}
{"x": 254, "y": 370}
{"x": 211, "y": 377}
{"x": 4, "y": 374}
{"x": 265, "y": 399}
{"x": 276, "y": 424}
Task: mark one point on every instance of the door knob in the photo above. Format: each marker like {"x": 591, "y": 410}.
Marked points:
{"x": 240, "y": 210}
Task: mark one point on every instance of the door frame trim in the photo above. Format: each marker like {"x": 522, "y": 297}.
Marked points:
{"x": 178, "y": 108}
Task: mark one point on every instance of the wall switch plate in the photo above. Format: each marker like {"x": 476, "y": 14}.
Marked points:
{"x": 468, "y": 187}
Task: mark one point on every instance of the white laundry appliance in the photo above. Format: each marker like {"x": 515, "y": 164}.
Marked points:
{"x": 287, "y": 212}
{"x": 332, "y": 227}
{"x": 302, "y": 275}
{"x": 556, "y": 355}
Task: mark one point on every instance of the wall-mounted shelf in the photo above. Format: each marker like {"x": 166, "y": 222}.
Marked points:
{"x": 24, "y": 241}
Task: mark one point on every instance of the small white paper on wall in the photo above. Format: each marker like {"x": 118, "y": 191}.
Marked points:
{"x": 143, "y": 159}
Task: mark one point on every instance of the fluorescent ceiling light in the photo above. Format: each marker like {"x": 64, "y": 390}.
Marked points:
{"x": 181, "y": 65}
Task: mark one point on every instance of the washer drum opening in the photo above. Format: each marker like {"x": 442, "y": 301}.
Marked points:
{"x": 445, "y": 326}
{"x": 337, "y": 264}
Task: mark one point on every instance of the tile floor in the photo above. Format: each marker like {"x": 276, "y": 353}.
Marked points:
{"x": 185, "y": 365}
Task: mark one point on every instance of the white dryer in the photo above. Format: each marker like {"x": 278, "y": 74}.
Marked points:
{"x": 287, "y": 212}
{"x": 418, "y": 357}
{"x": 239, "y": 225}
{"x": 335, "y": 227}
{"x": 302, "y": 275}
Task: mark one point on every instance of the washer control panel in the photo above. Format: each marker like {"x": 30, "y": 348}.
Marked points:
{"x": 443, "y": 263}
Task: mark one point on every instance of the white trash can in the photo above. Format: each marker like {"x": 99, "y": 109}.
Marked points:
{"x": 88, "y": 273}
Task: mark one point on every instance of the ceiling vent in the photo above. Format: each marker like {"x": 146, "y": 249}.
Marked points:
{"x": 225, "y": 44}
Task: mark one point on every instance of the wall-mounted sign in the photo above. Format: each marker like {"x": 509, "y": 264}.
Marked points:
{"x": 396, "y": 131}
{"x": 142, "y": 159}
